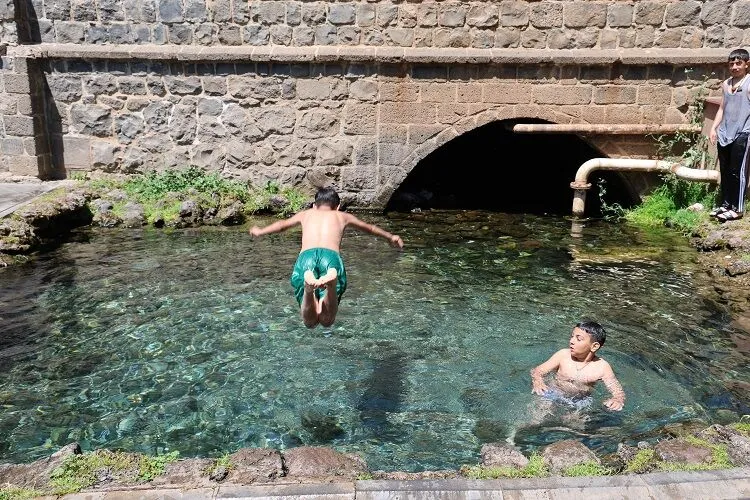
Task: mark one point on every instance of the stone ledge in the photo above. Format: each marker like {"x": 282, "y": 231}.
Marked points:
{"x": 326, "y": 53}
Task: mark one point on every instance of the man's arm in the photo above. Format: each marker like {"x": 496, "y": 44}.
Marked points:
{"x": 277, "y": 226}
{"x": 537, "y": 374}
{"x": 363, "y": 226}
{"x": 617, "y": 401}
{"x": 712, "y": 135}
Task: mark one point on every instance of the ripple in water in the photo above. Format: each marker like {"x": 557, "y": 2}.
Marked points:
{"x": 191, "y": 340}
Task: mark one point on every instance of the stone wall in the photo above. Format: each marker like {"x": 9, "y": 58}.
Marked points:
{"x": 352, "y": 94}
{"x": 553, "y": 24}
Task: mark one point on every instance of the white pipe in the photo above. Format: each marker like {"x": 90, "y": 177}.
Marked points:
{"x": 602, "y": 128}
{"x": 581, "y": 184}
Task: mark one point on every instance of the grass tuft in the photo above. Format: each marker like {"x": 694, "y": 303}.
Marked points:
{"x": 643, "y": 461}
{"x": 587, "y": 469}
{"x": 535, "y": 468}
{"x": 14, "y": 493}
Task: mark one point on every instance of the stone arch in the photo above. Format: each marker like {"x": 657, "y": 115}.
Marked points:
{"x": 392, "y": 177}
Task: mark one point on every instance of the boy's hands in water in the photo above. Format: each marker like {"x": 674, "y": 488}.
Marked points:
{"x": 614, "y": 404}
{"x": 538, "y": 387}
{"x": 255, "y": 231}
{"x": 396, "y": 241}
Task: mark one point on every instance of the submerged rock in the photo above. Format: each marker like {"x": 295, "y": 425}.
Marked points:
{"x": 680, "y": 451}
{"x": 502, "y": 455}
{"x": 563, "y": 454}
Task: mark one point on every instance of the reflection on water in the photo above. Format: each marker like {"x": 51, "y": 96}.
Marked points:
{"x": 192, "y": 341}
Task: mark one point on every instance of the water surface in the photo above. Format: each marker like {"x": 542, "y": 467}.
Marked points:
{"x": 191, "y": 340}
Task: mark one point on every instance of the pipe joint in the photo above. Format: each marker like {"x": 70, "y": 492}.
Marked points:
{"x": 582, "y": 185}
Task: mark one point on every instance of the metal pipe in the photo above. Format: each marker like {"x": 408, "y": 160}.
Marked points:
{"x": 602, "y": 129}
{"x": 581, "y": 184}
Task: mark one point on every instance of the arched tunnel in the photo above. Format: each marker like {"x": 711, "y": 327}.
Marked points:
{"x": 493, "y": 168}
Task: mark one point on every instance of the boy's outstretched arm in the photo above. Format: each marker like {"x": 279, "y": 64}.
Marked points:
{"x": 617, "y": 401}
{"x": 277, "y": 226}
{"x": 537, "y": 374}
{"x": 394, "y": 239}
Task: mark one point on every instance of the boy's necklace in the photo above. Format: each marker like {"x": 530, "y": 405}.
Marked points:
{"x": 734, "y": 87}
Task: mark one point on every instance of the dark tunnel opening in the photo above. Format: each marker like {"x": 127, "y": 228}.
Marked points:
{"x": 492, "y": 168}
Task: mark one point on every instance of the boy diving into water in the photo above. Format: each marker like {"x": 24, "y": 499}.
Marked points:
{"x": 578, "y": 369}
{"x": 319, "y": 277}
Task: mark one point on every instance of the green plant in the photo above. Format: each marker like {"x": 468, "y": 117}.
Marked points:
{"x": 80, "y": 471}
{"x": 643, "y": 461}
{"x": 535, "y": 468}
{"x": 741, "y": 426}
{"x": 364, "y": 476}
{"x": 223, "y": 461}
{"x": 14, "y": 493}
{"x": 154, "y": 185}
{"x": 151, "y": 467}
{"x": 587, "y": 469}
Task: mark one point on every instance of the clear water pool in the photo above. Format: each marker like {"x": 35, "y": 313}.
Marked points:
{"x": 191, "y": 340}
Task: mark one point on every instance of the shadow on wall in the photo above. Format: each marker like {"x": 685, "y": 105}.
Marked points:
{"x": 491, "y": 168}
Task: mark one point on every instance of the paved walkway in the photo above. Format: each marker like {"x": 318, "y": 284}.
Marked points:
{"x": 720, "y": 484}
{"x": 14, "y": 195}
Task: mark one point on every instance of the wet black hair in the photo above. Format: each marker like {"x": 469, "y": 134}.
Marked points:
{"x": 740, "y": 54}
{"x": 595, "y": 330}
{"x": 327, "y": 196}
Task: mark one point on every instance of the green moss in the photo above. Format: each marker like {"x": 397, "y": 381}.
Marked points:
{"x": 743, "y": 427}
{"x": 587, "y": 469}
{"x": 223, "y": 461}
{"x": 151, "y": 467}
{"x": 365, "y": 476}
{"x": 168, "y": 211}
{"x": 13, "y": 493}
{"x": 80, "y": 471}
{"x": 535, "y": 468}
{"x": 643, "y": 461}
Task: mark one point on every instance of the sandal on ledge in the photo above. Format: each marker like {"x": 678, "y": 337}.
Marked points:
{"x": 717, "y": 211}
{"x": 729, "y": 215}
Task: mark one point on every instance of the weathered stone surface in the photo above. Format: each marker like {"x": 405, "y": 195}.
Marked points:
{"x": 563, "y": 454}
{"x": 36, "y": 474}
{"x": 91, "y": 120}
{"x": 252, "y": 465}
{"x": 502, "y": 455}
{"x": 676, "y": 450}
{"x": 322, "y": 462}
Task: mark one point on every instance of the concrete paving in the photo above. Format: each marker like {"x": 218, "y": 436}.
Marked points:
{"x": 14, "y": 195}
{"x": 726, "y": 484}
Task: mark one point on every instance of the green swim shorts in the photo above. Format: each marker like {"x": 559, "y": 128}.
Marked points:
{"x": 317, "y": 260}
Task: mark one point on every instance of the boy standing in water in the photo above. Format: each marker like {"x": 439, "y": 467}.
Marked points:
{"x": 578, "y": 369}
{"x": 319, "y": 278}
{"x": 731, "y": 127}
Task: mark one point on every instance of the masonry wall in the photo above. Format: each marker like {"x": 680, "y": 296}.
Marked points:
{"x": 352, "y": 94}
{"x": 553, "y": 24}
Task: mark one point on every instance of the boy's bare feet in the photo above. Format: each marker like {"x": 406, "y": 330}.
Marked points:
{"x": 328, "y": 277}
{"x": 311, "y": 282}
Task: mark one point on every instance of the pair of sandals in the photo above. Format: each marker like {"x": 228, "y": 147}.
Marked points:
{"x": 725, "y": 214}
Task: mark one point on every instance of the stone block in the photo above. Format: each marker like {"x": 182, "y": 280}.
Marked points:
{"x": 649, "y": 12}
{"x": 179, "y": 85}
{"x": 427, "y": 15}
{"x": 363, "y": 90}
{"x": 170, "y": 11}
{"x": 618, "y": 113}
{"x": 438, "y": 92}
{"x": 399, "y": 92}
{"x": 393, "y": 154}
{"x": 451, "y": 113}
{"x": 407, "y": 17}
{"x": 70, "y": 31}
{"x": 400, "y": 37}
{"x": 84, "y": 10}
{"x": 507, "y": 38}
{"x": 482, "y": 16}
{"x": 669, "y": 38}
{"x": 76, "y": 151}
{"x": 716, "y": 12}
{"x": 561, "y": 39}
{"x": 256, "y": 34}
{"x": 453, "y": 38}
{"x": 313, "y": 13}
{"x": 419, "y": 134}
{"x": 557, "y": 95}
{"x": 741, "y": 14}
{"x": 326, "y": 35}
{"x": 57, "y": 9}
{"x": 110, "y": 10}
{"x": 514, "y": 14}
{"x": 366, "y": 14}
{"x": 316, "y": 123}
{"x": 269, "y": 12}
{"x": 469, "y": 92}
{"x": 661, "y": 95}
{"x": 391, "y": 112}
{"x": 615, "y": 94}
{"x": 20, "y": 126}
{"x": 314, "y": 89}
{"x": 359, "y": 178}
{"x": 334, "y": 152}
{"x": 132, "y": 85}
{"x": 393, "y": 133}
{"x": 274, "y": 119}
{"x": 546, "y": 15}
{"x": 366, "y": 153}
{"x": 344, "y": 13}
{"x": 533, "y": 38}
{"x": 360, "y": 119}
{"x": 17, "y": 83}
{"x": 583, "y": 14}
{"x": 452, "y": 15}
{"x": 23, "y": 165}
{"x": 11, "y": 146}
{"x": 507, "y": 93}
{"x": 684, "y": 13}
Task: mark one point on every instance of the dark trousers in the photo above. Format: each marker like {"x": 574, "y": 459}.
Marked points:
{"x": 733, "y": 163}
